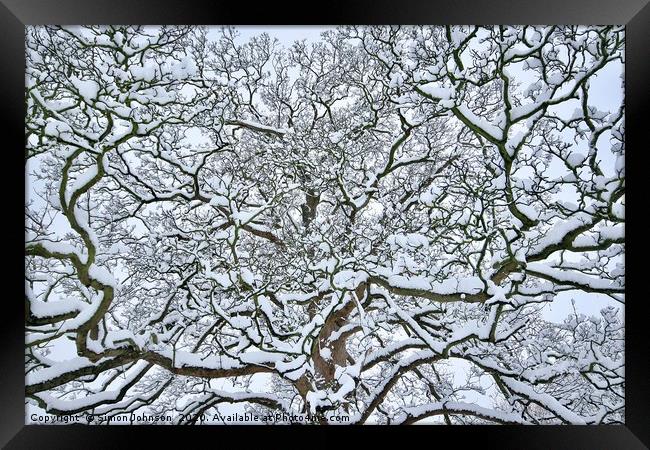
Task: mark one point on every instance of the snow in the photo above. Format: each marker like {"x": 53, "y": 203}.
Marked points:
{"x": 336, "y": 136}
{"x": 248, "y": 276}
{"x": 50, "y": 373}
{"x": 102, "y": 275}
{"x": 55, "y": 308}
{"x": 222, "y": 278}
{"x": 73, "y": 404}
{"x": 57, "y": 128}
{"x": 295, "y": 296}
{"x": 518, "y": 112}
{"x": 614, "y": 232}
{"x": 349, "y": 279}
{"x": 258, "y": 126}
{"x": 408, "y": 241}
{"x": 414, "y": 282}
{"x": 316, "y": 399}
{"x": 60, "y": 247}
{"x": 466, "y": 285}
{"x": 447, "y": 103}
{"x": 260, "y": 357}
{"x": 381, "y": 353}
{"x": 88, "y": 89}
{"x": 571, "y": 277}
{"x": 347, "y": 385}
{"x": 486, "y": 126}
{"x": 436, "y": 91}
{"x": 434, "y": 345}
{"x": 182, "y": 358}
{"x": 81, "y": 180}
{"x": 326, "y": 353}
{"x": 146, "y": 72}
{"x": 528, "y": 210}
{"x": 220, "y": 200}
{"x": 556, "y": 234}
{"x": 575, "y": 159}
{"x": 545, "y": 399}
{"x": 453, "y": 407}
{"x": 555, "y": 78}
{"x": 185, "y": 69}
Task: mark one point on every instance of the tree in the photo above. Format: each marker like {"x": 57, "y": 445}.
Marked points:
{"x": 371, "y": 223}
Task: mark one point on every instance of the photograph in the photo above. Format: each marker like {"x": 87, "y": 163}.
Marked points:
{"x": 327, "y": 225}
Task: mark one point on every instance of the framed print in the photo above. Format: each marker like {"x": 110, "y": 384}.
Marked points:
{"x": 399, "y": 215}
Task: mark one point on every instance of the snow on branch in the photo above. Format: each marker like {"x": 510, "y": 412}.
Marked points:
{"x": 392, "y": 224}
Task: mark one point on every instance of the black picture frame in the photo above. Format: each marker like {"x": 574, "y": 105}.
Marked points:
{"x": 16, "y": 14}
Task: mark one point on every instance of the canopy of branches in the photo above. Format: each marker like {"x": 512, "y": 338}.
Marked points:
{"x": 369, "y": 224}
